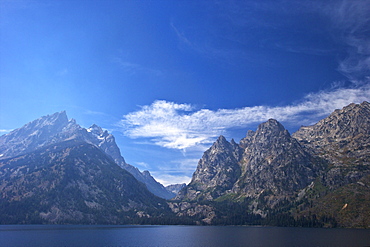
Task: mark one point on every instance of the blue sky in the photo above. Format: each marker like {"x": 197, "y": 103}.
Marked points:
{"x": 168, "y": 77}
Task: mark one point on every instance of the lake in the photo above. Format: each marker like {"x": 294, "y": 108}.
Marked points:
{"x": 114, "y": 236}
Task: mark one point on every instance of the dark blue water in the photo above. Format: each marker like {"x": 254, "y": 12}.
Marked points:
{"x": 114, "y": 236}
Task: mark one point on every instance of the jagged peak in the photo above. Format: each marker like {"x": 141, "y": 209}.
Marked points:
{"x": 233, "y": 142}
{"x": 349, "y": 113}
{"x": 221, "y": 138}
{"x": 146, "y": 173}
{"x": 354, "y": 106}
{"x": 56, "y": 117}
{"x": 94, "y": 126}
{"x": 221, "y": 142}
{"x": 95, "y": 129}
{"x": 272, "y": 125}
{"x": 73, "y": 121}
{"x": 250, "y": 133}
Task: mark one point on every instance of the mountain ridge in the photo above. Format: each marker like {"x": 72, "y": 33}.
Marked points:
{"x": 274, "y": 177}
{"x": 318, "y": 176}
{"x": 55, "y": 128}
{"x": 72, "y": 182}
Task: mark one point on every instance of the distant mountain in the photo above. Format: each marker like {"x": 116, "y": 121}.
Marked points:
{"x": 57, "y": 128}
{"x": 72, "y": 182}
{"x": 175, "y": 188}
{"x": 319, "y": 176}
{"x": 107, "y": 142}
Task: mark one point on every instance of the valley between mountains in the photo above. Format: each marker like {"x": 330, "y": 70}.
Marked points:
{"x": 53, "y": 171}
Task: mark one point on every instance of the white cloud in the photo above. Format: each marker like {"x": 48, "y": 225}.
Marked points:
{"x": 181, "y": 126}
{"x": 5, "y": 131}
{"x": 351, "y": 18}
{"x": 178, "y": 170}
{"x": 142, "y": 165}
{"x": 168, "y": 179}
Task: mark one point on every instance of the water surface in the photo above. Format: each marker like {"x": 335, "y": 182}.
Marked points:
{"x": 182, "y": 236}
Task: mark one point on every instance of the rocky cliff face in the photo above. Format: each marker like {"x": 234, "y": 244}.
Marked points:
{"x": 216, "y": 173}
{"x": 343, "y": 139}
{"x": 271, "y": 156}
{"x": 57, "y": 128}
{"x": 273, "y": 174}
{"x": 261, "y": 163}
{"x": 54, "y": 171}
{"x": 71, "y": 182}
{"x": 175, "y": 188}
{"x": 347, "y": 128}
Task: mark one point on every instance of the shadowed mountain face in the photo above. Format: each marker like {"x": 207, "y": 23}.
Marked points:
{"x": 261, "y": 163}
{"x": 54, "y": 171}
{"x": 72, "y": 182}
{"x": 343, "y": 139}
{"x": 57, "y": 128}
{"x": 273, "y": 174}
{"x": 217, "y": 172}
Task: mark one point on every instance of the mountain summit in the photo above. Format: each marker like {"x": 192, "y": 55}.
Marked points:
{"x": 271, "y": 177}
{"x": 54, "y": 171}
{"x": 55, "y": 128}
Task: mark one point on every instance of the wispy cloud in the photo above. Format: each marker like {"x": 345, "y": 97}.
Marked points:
{"x": 167, "y": 179}
{"x": 181, "y": 36}
{"x": 351, "y": 18}
{"x": 134, "y": 68}
{"x": 142, "y": 165}
{"x": 182, "y": 126}
{"x": 5, "y": 131}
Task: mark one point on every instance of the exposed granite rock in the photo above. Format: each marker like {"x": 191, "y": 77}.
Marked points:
{"x": 205, "y": 213}
{"x": 216, "y": 173}
{"x": 343, "y": 139}
{"x": 57, "y": 128}
{"x": 175, "y": 188}
{"x": 71, "y": 182}
{"x": 274, "y": 161}
{"x": 273, "y": 174}
{"x": 261, "y": 163}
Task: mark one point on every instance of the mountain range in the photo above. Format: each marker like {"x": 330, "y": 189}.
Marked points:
{"x": 53, "y": 171}
{"x": 57, "y": 128}
{"x": 319, "y": 176}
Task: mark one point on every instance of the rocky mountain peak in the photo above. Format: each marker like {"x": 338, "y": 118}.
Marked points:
{"x": 343, "y": 139}
{"x": 217, "y": 171}
{"x": 95, "y": 129}
{"x": 221, "y": 139}
{"x": 57, "y": 128}
{"x": 270, "y": 155}
{"x": 146, "y": 173}
{"x": 247, "y": 139}
{"x": 269, "y": 136}
{"x": 175, "y": 188}
{"x": 47, "y": 123}
{"x": 232, "y": 142}
{"x": 221, "y": 144}
{"x": 270, "y": 128}
{"x": 58, "y": 117}
{"x": 347, "y": 126}
{"x": 33, "y": 134}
